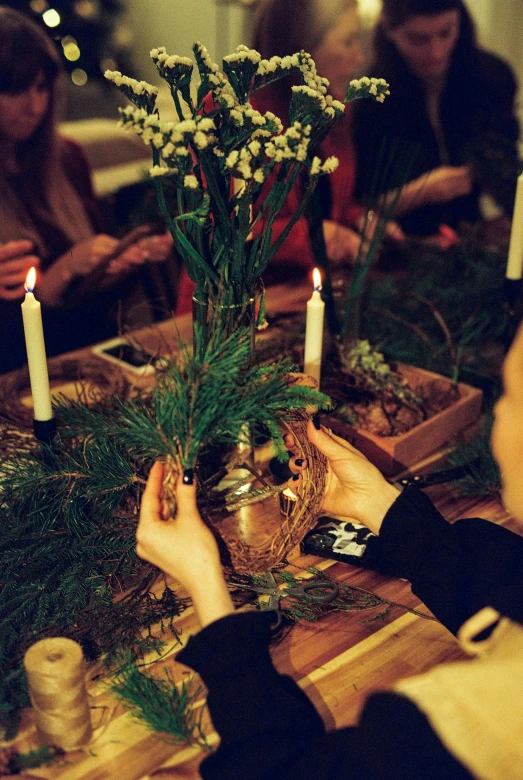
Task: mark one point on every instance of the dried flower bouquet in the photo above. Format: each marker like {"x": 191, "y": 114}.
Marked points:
{"x": 221, "y": 151}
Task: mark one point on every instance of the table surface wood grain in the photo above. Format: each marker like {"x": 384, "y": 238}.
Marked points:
{"x": 338, "y": 661}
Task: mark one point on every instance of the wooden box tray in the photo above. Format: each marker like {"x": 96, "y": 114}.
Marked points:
{"x": 393, "y": 454}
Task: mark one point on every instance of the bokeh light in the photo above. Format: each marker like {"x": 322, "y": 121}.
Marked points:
{"x": 38, "y": 6}
{"x": 79, "y": 77}
{"x": 71, "y": 52}
{"x": 51, "y": 17}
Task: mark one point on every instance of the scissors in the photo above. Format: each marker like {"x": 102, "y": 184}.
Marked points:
{"x": 317, "y": 591}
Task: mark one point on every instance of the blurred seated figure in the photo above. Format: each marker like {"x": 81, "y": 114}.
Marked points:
{"x": 448, "y": 132}
{"x": 329, "y": 30}
{"x": 50, "y": 217}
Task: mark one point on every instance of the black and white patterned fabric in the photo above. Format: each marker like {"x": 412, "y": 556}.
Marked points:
{"x": 337, "y": 539}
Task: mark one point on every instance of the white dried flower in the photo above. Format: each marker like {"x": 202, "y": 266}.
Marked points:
{"x": 205, "y": 124}
{"x": 245, "y": 169}
{"x": 330, "y": 165}
{"x": 315, "y": 169}
{"x": 232, "y": 158}
{"x": 191, "y": 182}
{"x": 255, "y": 148}
{"x": 200, "y": 140}
{"x": 159, "y": 170}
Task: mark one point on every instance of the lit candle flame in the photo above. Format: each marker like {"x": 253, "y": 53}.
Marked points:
{"x": 30, "y": 280}
{"x": 316, "y": 278}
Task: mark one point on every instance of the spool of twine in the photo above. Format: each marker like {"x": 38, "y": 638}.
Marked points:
{"x": 55, "y": 670}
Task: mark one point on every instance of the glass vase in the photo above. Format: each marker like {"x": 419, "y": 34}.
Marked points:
{"x": 208, "y": 317}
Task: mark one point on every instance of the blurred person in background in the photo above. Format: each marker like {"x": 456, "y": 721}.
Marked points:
{"x": 448, "y": 131}
{"x": 50, "y": 217}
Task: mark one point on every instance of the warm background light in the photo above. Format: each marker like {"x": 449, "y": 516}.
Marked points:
{"x": 79, "y": 77}
{"x": 51, "y": 17}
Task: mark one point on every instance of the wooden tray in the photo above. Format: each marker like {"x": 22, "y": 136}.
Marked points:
{"x": 393, "y": 454}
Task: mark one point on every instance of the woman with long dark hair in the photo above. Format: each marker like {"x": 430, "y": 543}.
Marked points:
{"x": 448, "y": 131}
{"x": 48, "y": 205}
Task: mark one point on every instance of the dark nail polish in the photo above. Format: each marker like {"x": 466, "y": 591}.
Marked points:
{"x": 295, "y": 477}
{"x": 299, "y": 462}
{"x": 316, "y": 421}
{"x": 280, "y": 470}
{"x": 188, "y": 477}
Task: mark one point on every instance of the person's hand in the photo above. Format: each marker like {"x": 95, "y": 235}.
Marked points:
{"x": 158, "y": 247}
{"x": 342, "y": 243}
{"x": 153, "y": 249}
{"x": 368, "y": 223}
{"x": 15, "y": 261}
{"x": 445, "y": 183}
{"x": 183, "y": 547}
{"x": 83, "y": 258}
{"x": 355, "y": 488}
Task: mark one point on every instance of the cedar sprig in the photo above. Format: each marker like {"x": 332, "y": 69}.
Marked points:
{"x": 205, "y": 397}
{"x": 173, "y": 710}
{"x": 483, "y": 476}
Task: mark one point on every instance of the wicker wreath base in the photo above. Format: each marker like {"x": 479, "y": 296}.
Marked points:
{"x": 269, "y": 524}
{"x": 93, "y": 376}
{"x": 257, "y": 544}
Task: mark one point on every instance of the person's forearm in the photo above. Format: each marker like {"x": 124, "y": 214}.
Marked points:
{"x": 211, "y": 598}
{"x": 455, "y": 569}
{"x": 251, "y": 705}
{"x": 404, "y": 200}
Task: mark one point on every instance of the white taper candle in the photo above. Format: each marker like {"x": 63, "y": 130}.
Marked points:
{"x": 515, "y": 252}
{"x": 36, "y": 357}
{"x": 314, "y": 331}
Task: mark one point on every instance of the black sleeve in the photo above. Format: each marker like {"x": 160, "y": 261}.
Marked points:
{"x": 269, "y": 730}
{"x": 455, "y": 569}
{"x": 495, "y": 143}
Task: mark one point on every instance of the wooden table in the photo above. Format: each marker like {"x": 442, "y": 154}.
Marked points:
{"x": 337, "y": 661}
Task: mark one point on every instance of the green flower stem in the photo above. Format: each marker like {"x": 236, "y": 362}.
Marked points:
{"x": 177, "y": 104}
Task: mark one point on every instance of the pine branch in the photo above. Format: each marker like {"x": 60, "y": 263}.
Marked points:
{"x": 161, "y": 704}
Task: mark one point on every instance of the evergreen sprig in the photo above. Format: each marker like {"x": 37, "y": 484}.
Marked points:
{"x": 69, "y": 511}
{"x": 483, "y": 477}
{"x": 441, "y": 310}
{"x": 164, "y": 706}
{"x": 206, "y": 397}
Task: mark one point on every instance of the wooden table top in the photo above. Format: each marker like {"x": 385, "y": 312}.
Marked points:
{"x": 338, "y": 661}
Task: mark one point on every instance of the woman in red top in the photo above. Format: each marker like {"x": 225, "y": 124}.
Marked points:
{"x": 329, "y": 30}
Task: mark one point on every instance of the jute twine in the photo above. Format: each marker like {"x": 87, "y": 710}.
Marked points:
{"x": 55, "y": 672}
{"x": 94, "y": 378}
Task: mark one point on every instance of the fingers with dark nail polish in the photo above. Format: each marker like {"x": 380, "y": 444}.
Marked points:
{"x": 299, "y": 462}
{"x": 316, "y": 421}
{"x": 295, "y": 477}
{"x": 280, "y": 470}
{"x": 188, "y": 476}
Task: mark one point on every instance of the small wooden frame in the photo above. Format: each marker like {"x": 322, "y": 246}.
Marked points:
{"x": 393, "y": 454}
